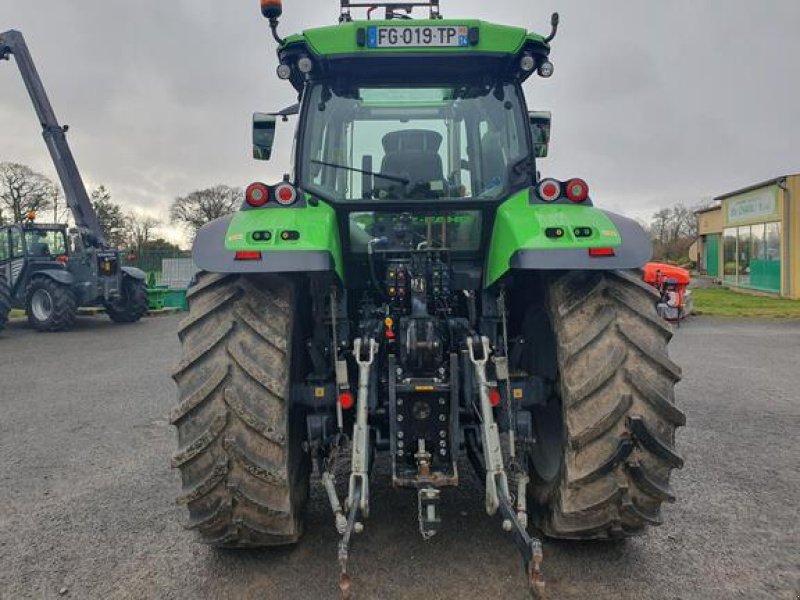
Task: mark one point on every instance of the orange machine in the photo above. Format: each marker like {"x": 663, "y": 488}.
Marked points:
{"x": 672, "y": 283}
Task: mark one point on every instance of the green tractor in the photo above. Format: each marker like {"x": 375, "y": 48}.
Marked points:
{"x": 415, "y": 295}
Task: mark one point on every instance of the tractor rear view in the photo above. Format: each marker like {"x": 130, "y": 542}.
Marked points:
{"x": 415, "y": 290}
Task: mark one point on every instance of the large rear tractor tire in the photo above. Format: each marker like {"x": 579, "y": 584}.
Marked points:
{"x": 616, "y": 398}
{"x": 244, "y": 471}
{"x": 50, "y": 306}
{"x": 5, "y": 303}
{"x": 132, "y": 306}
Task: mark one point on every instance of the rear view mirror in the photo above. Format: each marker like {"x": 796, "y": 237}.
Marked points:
{"x": 263, "y": 135}
{"x": 540, "y": 130}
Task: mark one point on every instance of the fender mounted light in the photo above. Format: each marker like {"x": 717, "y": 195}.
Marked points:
{"x": 577, "y": 190}
{"x": 285, "y": 194}
{"x": 601, "y": 252}
{"x": 549, "y": 190}
{"x": 248, "y": 255}
{"x": 256, "y": 195}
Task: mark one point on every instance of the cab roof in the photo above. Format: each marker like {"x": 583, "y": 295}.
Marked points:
{"x": 342, "y": 51}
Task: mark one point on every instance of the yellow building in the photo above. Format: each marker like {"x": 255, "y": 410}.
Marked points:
{"x": 751, "y": 237}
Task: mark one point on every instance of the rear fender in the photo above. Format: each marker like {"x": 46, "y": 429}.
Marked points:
{"x": 523, "y": 239}
{"x": 317, "y": 248}
{"x": 62, "y": 277}
{"x": 134, "y": 273}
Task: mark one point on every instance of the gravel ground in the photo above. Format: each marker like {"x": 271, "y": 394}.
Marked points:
{"x": 86, "y": 492}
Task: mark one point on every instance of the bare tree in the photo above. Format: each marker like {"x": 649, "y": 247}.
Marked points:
{"x": 61, "y": 211}
{"x": 140, "y": 230}
{"x": 21, "y": 190}
{"x": 203, "y": 206}
{"x": 110, "y": 216}
{"x": 659, "y": 226}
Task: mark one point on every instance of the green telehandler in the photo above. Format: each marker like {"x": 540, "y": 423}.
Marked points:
{"x": 416, "y": 292}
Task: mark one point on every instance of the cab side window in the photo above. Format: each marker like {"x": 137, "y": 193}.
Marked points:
{"x": 5, "y": 253}
{"x": 16, "y": 244}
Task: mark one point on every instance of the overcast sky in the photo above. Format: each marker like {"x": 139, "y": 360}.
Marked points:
{"x": 654, "y": 101}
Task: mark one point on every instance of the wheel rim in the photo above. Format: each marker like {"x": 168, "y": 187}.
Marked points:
{"x": 42, "y": 305}
{"x": 547, "y": 454}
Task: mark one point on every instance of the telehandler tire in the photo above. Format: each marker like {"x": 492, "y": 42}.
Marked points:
{"x": 133, "y": 306}
{"x": 50, "y": 306}
{"x": 244, "y": 471}
{"x": 618, "y": 409}
{"x": 5, "y": 303}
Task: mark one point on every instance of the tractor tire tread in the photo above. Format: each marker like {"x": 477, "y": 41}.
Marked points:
{"x": 65, "y": 305}
{"x": 244, "y": 475}
{"x": 619, "y": 410}
{"x": 136, "y": 302}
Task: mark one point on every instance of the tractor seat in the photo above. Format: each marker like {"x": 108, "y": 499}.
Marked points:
{"x": 413, "y": 154}
{"x": 39, "y": 249}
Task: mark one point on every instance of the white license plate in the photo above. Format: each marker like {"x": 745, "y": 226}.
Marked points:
{"x": 417, "y": 36}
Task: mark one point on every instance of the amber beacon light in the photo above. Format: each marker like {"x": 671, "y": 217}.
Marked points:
{"x": 271, "y": 9}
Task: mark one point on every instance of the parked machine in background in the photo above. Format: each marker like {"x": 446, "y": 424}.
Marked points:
{"x": 675, "y": 302}
{"x": 51, "y": 271}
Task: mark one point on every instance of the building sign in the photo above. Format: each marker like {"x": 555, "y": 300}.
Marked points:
{"x": 756, "y": 206}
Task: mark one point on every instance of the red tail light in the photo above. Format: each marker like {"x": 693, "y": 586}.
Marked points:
{"x": 494, "y": 397}
{"x": 248, "y": 255}
{"x": 577, "y": 190}
{"x": 549, "y": 190}
{"x": 257, "y": 195}
{"x": 599, "y": 252}
{"x": 346, "y": 400}
{"x": 285, "y": 194}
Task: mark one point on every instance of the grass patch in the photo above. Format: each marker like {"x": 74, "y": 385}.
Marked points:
{"x": 722, "y": 302}
{"x": 16, "y": 314}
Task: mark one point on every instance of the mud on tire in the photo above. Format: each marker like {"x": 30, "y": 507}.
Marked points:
{"x": 619, "y": 412}
{"x": 245, "y": 476}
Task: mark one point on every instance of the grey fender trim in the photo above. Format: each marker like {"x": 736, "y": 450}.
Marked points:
{"x": 636, "y": 250}
{"x": 210, "y": 255}
{"x": 62, "y": 277}
{"x": 134, "y": 273}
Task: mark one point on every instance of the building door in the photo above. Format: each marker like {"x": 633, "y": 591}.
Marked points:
{"x": 712, "y": 255}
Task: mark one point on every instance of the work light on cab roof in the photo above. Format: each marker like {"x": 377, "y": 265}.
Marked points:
{"x": 271, "y": 9}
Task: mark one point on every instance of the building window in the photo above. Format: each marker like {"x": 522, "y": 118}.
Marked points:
{"x": 752, "y": 256}
{"x": 729, "y": 255}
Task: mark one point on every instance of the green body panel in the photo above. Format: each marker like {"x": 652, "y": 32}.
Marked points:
{"x": 341, "y": 39}
{"x": 521, "y": 225}
{"x": 316, "y": 225}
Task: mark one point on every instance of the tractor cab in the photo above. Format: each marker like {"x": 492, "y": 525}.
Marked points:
{"x": 45, "y": 242}
{"x": 31, "y": 246}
